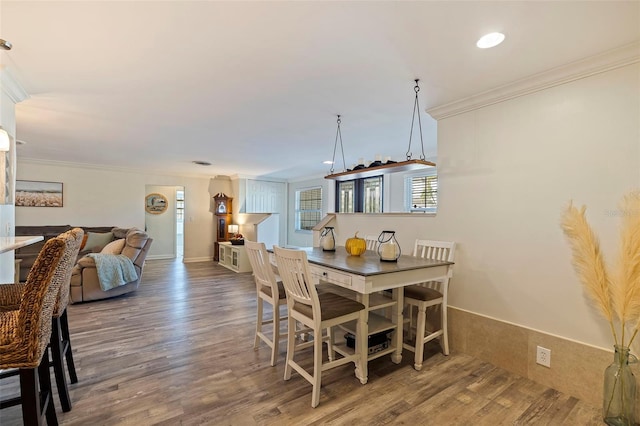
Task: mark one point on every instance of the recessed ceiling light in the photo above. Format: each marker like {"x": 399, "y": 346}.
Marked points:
{"x": 327, "y": 162}
{"x": 201, "y": 163}
{"x": 490, "y": 40}
{"x": 5, "y": 45}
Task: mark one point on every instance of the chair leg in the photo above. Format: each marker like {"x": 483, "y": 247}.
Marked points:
{"x": 259, "y": 321}
{"x": 276, "y": 332}
{"x": 420, "y": 330}
{"x": 330, "y": 342}
{"x": 68, "y": 351}
{"x": 445, "y": 336}
{"x": 30, "y": 396}
{"x": 291, "y": 346}
{"x": 57, "y": 354}
{"x": 46, "y": 391}
{"x": 362, "y": 369}
{"x": 317, "y": 368}
{"x": 410, "y": 323}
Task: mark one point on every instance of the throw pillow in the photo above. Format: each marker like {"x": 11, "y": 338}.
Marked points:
{"x": 84, "y": 241}
{"x": 96, "y": 241}
{"x": 114, "y": 247}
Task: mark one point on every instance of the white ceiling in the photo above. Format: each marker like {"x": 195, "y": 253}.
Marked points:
{"x": 254, "y": 87}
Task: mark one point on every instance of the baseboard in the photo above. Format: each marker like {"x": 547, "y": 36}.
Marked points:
{"x": 576, "y": 369}
{"x": 160, "y": 257}
{"x": 197, "y": 259}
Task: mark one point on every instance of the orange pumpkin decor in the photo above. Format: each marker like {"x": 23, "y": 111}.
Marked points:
{"x": 355, "y": 246}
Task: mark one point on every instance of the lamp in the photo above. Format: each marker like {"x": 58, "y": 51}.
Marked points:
{"x": 378, "y": 167}
{"x": 388, "y": 249}
{"x": 233, "y": 230}
{"x": 328, "y": 239}
{"x": 5, "y": 144}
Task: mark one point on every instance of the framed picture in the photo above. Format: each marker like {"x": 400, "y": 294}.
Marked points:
{"x": 31, "y": 193}
{"x": 155, "y": 203}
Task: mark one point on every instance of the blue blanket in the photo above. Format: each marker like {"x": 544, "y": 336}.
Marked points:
{"x": 113, "y": 270}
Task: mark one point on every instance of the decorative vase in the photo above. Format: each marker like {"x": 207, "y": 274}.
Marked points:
{"x": 619, "y": 396}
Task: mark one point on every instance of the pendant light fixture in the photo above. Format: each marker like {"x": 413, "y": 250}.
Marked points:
{"x": 377, "y": 167}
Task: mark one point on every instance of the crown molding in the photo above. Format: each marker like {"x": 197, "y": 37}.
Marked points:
{"x": 607, "y": 61}
{"x": 132, "y": 170}
{"x": 11, "y": 86}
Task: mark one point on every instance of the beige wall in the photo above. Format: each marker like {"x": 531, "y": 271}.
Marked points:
{"x": 506, "y": 172}
{"x": 105, "y": 197}
{"x": 8, "y": 123}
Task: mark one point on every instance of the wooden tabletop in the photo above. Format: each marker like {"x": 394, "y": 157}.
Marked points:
{"x": 368, "y": 263}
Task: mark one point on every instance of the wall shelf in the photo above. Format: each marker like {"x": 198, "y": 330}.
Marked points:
{"x": 400, "y": 166}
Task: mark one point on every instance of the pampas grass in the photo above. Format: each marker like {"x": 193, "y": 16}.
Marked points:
{"x": 616, "y": 294}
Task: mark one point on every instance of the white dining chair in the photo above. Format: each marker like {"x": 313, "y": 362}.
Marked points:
{"x": 268, "y": 290}
{"x": 318, "y": 311}
{"x": 372, "y": 242}
{"x": 432, "y": 294}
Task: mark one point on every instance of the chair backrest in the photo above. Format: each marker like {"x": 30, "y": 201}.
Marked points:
{"x": 436, "y": 250}
{"x": 72, "y": 240}
{"x": 262, "y": 270}
{"x": 296, "y": 277}
{"x": 372, "y": 242}
{"x": 33, "y": 329}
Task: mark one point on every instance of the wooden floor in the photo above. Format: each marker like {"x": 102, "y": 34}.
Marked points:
{"x": 179, "y": 352}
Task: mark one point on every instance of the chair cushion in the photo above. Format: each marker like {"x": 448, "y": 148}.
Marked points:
{"x": 331, "y": 306}
{"x": 421, "y": 293}
{"x": 11, "y": 296}
{"x": 8, "y": 327}
{"x": 281, "y": 291}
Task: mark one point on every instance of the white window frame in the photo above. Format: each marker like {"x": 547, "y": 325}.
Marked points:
{"x": 408, "y": 189}
{"x": 300, "y": 211}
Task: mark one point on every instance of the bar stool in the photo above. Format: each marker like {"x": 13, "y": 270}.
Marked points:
{"x": 25, "y": 334}
{"x": 318, "y": 312}
{"x": 60, "y": 342}
{"x": 269, "y": 290}
{"x": 429, "y": 294}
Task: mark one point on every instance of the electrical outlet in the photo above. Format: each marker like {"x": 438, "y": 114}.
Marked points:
{"x": 543, "y": 356}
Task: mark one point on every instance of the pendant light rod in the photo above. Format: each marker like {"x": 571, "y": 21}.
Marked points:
{"x": 416, "y": 110}
{"x": 335, "y": 146}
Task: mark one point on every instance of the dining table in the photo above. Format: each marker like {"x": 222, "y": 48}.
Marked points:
{"x": 368, "y": 277}
{"x": 15, "y": 242}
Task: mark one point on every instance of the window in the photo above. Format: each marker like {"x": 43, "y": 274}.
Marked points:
{"x": 359, "y": 195}
{"x": 180, "y": 205}
{"x": 308, "y": 208}
{"x": 422, "y": 193}
{"x": 346, "y": 191}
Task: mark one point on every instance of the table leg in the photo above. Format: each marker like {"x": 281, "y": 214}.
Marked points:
{"x": 397, "y": 318}
{"x": 362, "y": 369}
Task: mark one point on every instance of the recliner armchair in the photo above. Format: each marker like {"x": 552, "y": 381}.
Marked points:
{"x": 85, "y": 285}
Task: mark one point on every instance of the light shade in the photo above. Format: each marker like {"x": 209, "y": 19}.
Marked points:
{"x": 490, "y": 40}
{"x": 5, "y": 144}
{"x": 233, "y": 229}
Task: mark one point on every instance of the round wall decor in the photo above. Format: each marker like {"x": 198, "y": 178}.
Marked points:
{"x": 155, "y": 203}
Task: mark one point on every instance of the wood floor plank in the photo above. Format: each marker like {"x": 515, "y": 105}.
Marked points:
{"x": 179, "y": 351}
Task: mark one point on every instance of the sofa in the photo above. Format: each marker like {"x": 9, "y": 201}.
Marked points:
{"x": 28, "y": 254}
{"x": 85, "y": 285}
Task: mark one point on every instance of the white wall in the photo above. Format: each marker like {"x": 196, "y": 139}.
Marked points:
{"x": 7, "y": 219}
{"x": 104, "y": 197}
{"x": 305, "y": 238}
{"x": 506, "y": 172}
{"x": 162, "y": 227}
